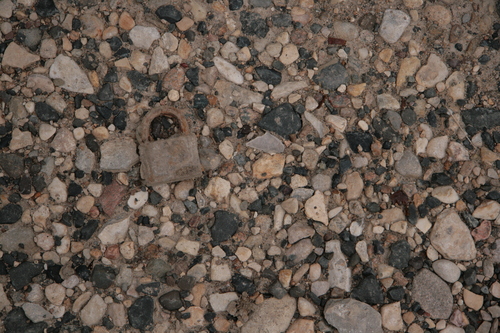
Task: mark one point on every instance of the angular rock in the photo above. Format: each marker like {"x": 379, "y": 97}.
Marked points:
{"x": 368, "y": 291}
{"x": 400, "y": 254}
{"x": 21, "y": 275}
{"x": 339, "y": 275}
{"x": 433, "y": 72}
{"x": 10, "y": 213}
{"x": 114, "y": 231}
{"x": 481, "y": 118}
{"x": 36, "y": 313}
{"x": 451, "y": 237}
{"x": 286, "y": 88}
{"x": 268, "y": 166}
{"x": 299, "y": 251}
{"x": 332, "y": 76}
{"x": 393, "y": 25}
{"x": 225, "y": 226}
{"x": 488, "y": 210}
{"x": 445, "y": 194}
{"x": 119, "y": 155}
{"x": 93, "y": 312}
{"x": 408, "y": 165}
{"x": 315, "y": 208}
{"x": 143, "y": 37}
{"x": 351, "y": 316}
{"x": 391, "y": 316}
{"x": 16, "y": 56}
{"x": 12, "y": 165}
{"x": 271, "y": 316}
{"x": 45, "y": 112}
{"x": 253, "y": 24}
{"x": 46, "y": 8}
{"x": 228, "y": 71}
{"x": 268, "y": 75}
{"x": 433, "y": 294}
{"x": 355, "y": 186}
{"x": 282, "y": 120}
{"x": 74, "y": 77}
{"x": 140, "y": 314}
{"x": 268, "y": 143}
{"x": 446, "y": 270}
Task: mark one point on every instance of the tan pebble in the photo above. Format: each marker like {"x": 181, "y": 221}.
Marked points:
{"x": 101, "y": 133}
{"x": 126, "y": 22}
{"x": 94, "y": 79}
{"x": 356, "y": 89}
{"x": 184, "y": 24}
{"x": 109, "y": 32}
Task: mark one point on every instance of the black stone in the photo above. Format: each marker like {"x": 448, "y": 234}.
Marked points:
{"x": 297, "y": 292}
{"x": 103, "y": 276}
{"x": 52, "y": 272}
{"x": 139, "y": 81}
{"x": 359, "y": 139}
{"x": 400, "y": 254}
{"x": 10, "y": 213}
{"x": 17, "y": 322}
{"x": 368, "y": 291}
{"x": 83, "y": 272}
{"x": 29, "y": 37}
{"x": 25, "y": 185}
{"x": 409, "y": 116}
{"x": 21, "y": 275}
{"x": 281, "y": 20}
{"x": 169, "y": 13}
{"x": 151, "y": 288}
{"x": 186, "y": 282}
{"x": 193, "y": 75}
{"x": 481, "y": 118}
{"x": 225, "y": 226}
{"x": 277, "y": 290}
{"x": 200, "y": 101}
{"x": 253, "y": 24}
{"x": 331, "y": 77}
{"x": 396, "y": 293}
{"x": 469, "y": 196}
{"x": 242, "y": 284}
{"x": 74, "y": 189}
{"x": 469, "y": 276}
{"x": 171, "y": 301}
{"x": 243, "y": 41}
{"x": 470, "y": 220}
{"x": 140, "y": 314}
{"x": 432, "y": 202}
{"x": 88, "y": 229}
{"x": 441, "y": 179}
{"x": 46, "y": 8}
{"x": 373, "y": 207}
{"x": 268, "y": 75}
{"x": 46, "y": 112}
{"x": 12, "y": 165}
{"x": 106, "y": 93}
{"x": 235, "y": 4}
{"x": 120, "y": 120}
{"x": 115, "y": 43}
{"x": 282, "y": 120}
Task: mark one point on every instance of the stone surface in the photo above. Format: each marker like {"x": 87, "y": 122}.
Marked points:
{"x": 433, "y": 294}
{"x": 228, "y": 70}
{"x": 93, "y": 312}
{"x": 143, "y": 37}
{"x": 393, "y": 25}
{"x": 433, "y": 72}
{"x": 351, "y": 316}
{"x": 16, "y": 56}
{"x": 451, "y": 237}
{"x": 446, "y": 270}
{"x": 272, "y": 315}
{"x": 408, "y": 165}
{"x": 118, "y": 155}
{"x": 67, "y": 70}
{"x": 315, "y": 208}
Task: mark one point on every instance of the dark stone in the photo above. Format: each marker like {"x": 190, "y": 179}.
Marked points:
{"x": 441, "y": 179}
{"x": 17, "y": 322}
{"x": 151, "y": 288}
{"x": 368, "y": 291}
{"x": 171, "y": 301}
{"x": 186, "y": 282}
{"x": 373, "y": 207}
{"x": 396, "y": 293}
{"x": 282, "y": 120}
{"x": 368, "y": 22}
{"x": 409, "y": 116}
{"x": 281, "y": 20}
{"x": 253, "y": 24}
{"x": 46, "y": 112}
{"x": 297, "y": 292}
{"x": 12, "y": 165}
{"x": 46, "y": 8}
{"x": 103, "y": 276}
{"x": 10, "y": 213}
{"x": 53, "y": 271}
{"x": 139, "y": 81}
{"x": 268, "y": 75}
{"x": 200, "y": 101}
{"x": 469, "y": 196}
{"x": 470, "y": 220}
{"x": 140, "y": 314}
{"x": 115, "y": 43}
{"x": 106, "y": 93}
{"x": 169, "y": 13}
{"x": 469, "y": 276}
{"x": 277, "y": 290}
{"x": 74, "y": 189}
{"x": 25, "y": 185}
{"x": 21, "y": 275}
{"x": 242, "y": 284}
{"x": 225, "y": 226}
{"x": 331, "y": 77}
{"x": 88, "y": 229}
{"x": 400, "y": 254}
{"x": 359, "y": 139}
{"x": 481, "y": 118}
{"x": 29, "y": 37}
{"x": 235, "y": 4}
{"x": 83, "y": 272}
{"x": 120, "y": 120}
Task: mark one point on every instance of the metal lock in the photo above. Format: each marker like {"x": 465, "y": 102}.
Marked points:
{"x": 168, "y": 160}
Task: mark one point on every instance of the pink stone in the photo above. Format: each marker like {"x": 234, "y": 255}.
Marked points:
{"x": 482, "y": 232}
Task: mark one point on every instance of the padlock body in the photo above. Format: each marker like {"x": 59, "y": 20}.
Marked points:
{"x": 170, "y": 160}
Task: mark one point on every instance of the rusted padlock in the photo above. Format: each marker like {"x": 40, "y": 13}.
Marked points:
{"x": 168, "y": 160}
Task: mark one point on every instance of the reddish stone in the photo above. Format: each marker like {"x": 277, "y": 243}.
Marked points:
{"x": 112, "y": 252}
{"x": 482, "y": 232}
{"x": 336, "y": 41}
{"x": 298, "y": 37}
{"x": 174, "y": 79}
{"x": 339, "y": 101}
{"x": 459, "y": 319}
{"x": 111, "y": 197}
{"x": 94, "y": 212}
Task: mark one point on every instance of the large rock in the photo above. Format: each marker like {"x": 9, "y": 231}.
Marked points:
{"x": 119, "y": 155}
{"x": 351, "y": 316}
{"x": 433, "y": 294}
{"x": 17, "y": 56}
{"x": 282, "y": 120}
{"x": 339, "y": 275}
{"x": 74, "y": 77}
{"x": 408, "y": 165}
{"x": 93, "y": 312}
{"x": 433, "y": 72}
{"x": 451, "y": 237}
{"x": 332, "y": 76}
{"x": 272, "y": 316}
{"x": 481, "y": 117}
{"x": 393, "y": 25}
{"x": 115, "y": 231}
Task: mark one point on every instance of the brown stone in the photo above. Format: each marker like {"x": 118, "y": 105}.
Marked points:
{"x": 298, "y": 37}
{"x": 111, "y": 197}
{"x": 126, "y": 21}
{"x": 301, "y": 326}
{"x": 482, "y": 232}
{"x": 174, "y": 79}
{"x": 269, "y": 166}
{"x": 112, "y": 252}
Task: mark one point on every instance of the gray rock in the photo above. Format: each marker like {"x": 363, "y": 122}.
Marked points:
{"x": 299, "y": 251}
{"x": 93, "y": 312}
{"x": 36, "y": 313}
{"x": 446, "y": 270}
{"x": 12, "y": 165}
{"x": 11, "y": 239}
{"x": 433, "y": 294}
{"x": 119, "y": 155}
{"x": 30, "y": 37}
{"x": 85, "y": 159}
{"x": 408, "y": 165}
{"x": 332, "y": 76}
{"x": 143, "y": 37}
{"x": 74, "y": 77}
{"x": 451, "y": 237}
{"x": 17, "y": 56}
{"x": 321, "y": 182}
{"x": 393, "y": 25}
{"x": 339, "y": 275}
{"x": 272, "y": 316}
{"x": 352, "y": 316}
{"x": 268, "y": 143}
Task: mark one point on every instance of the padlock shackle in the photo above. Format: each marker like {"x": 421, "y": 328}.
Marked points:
{"x": 143, "y": 131}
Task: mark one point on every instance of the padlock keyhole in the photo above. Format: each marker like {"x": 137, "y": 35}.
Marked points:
{"x": 163, "y": 127}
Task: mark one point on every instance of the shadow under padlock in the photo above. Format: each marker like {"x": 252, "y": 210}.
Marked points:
{"x": 168, "y": 160}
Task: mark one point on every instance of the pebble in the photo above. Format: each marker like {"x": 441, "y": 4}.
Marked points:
{"x": 16, "y": 56}
{"x": 272, "y": 315}
{"x": 391, "y": 316}
{"x": 433, "y": 294}
{"x": 282, "y": 120}
{"x": 394, "y": 23}
{"x": 143, "y": 37}
{"x": 433, "y": 72}
{"x": 220, "y": 302}
{"x": 140, "y": 314}
{"x": 36, "y": 313}
{"x": 114, "y": 231}
{"x": 94, "y": 311}
{"x": 228, "y": 70}
{"x": 55, "y": 293}
{"x": 332, "y": 76}
{"x": 118, "y": 155}
{"x": 315, "y": 208}
{"x": 488, "y": 210}
{"x": 408, "y": 165}
{"x": 472, "y": 300}
{"x": 348, "y": 315}
{"x": 446, "y": 270}
{"x": 445, "y": 194}
{"x": 286, "y": 88}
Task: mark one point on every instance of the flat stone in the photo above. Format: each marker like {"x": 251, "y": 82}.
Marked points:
{"x": 85, "y": 159}
{"x": 393, "y": 25}
{"x": 286, "y": 88}
{"x": 228, "y": 70}
{"x": 143, "y": 37}
{"x": 282, "y": 120}
{"x": 268, "y": 166}
{"x": 289, "y": 54}
{"x": 299, "y": 251}
{"x": 20, "y": 139}
{"x": 345, "y": 30}
{"x": 119, "y": 155}
{"x": 451, "y": 237}
{"x": 36, "y": 313}
{"x": 481, "y": 117}
{"x": 93, "y": 312}
{"x": 114, "y": 231}
{"x": 268, "y": 143}
{"x": 16, "y": 235}
{"x": 225, "y": 226}
{"x": 433, "y": 294}
{"x": 58, "y": 190}
{"x": 20, "y": 276}
{"x": 482, "y": 232}
{"x": 488, "y": 210}
{"x": 140, "y": 314}
{"x": 352, "y": 316}
{"x": 220, "y": 302}
{"x": 446, "y": 270}
{"x": 64, "y": 141}
{"x": 445, "y": 194}
{"x": 437, "y": 147}
{"x": 387, "y": 102}
{"x": 12, "y": 165}
{"x": 433, "y": 72}
{"x": 408, "y": 165}
{"x": 339, "y": 275}
{"x": 159, "y": 62}
{"x": 355, "y": 186}
{"x": 271, "y": 316}
{"x": 74, "y": 78}
{"x": 438, "y": 14}
{"x": 16, "y": 56}
{"x": 315, "y": 208}
{"x": 6, "y": 8}
{"x": 472, "y": 300}
{"x": 408, "y": 67}
{"x": 391, "y": 316}
{"x": 332, "y": 76}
